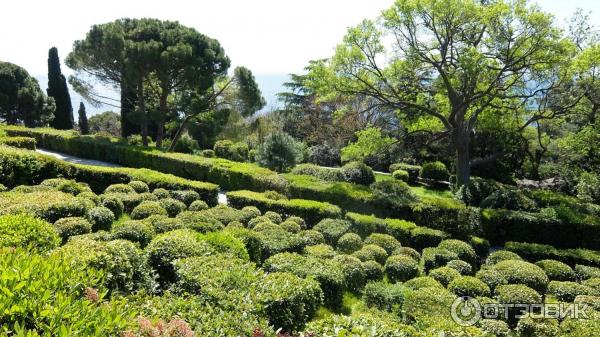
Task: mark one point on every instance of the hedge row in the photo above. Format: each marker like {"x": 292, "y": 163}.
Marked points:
{"x": 500, "y": 226}
{"x": 538, "y": 252}
{"x": 311, "y": 211}
{"x": 24, "y": 167}
{"x": 20, "y": 142}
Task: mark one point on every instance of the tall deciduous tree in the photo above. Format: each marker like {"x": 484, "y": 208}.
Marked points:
{"x": 57, "y": 89}
{"x": 21, "y": 99}
{"x": 83, "y": 120}
{"x": 450, "y": 62}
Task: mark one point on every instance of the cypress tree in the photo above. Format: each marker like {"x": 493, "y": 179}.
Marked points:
{"x": 83, "y": 121}
{"x": 57, "y": 88}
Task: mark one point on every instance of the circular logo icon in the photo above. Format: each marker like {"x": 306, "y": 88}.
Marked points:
{"x": 466, "y": 311}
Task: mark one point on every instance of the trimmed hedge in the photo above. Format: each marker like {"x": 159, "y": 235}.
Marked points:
{"x": 19, "y": 142}
{"x": 18, "y": 167}
{"x": 536, "y": 252}
{"x": 311, "y": 211}
{"x": 20, "y": 231}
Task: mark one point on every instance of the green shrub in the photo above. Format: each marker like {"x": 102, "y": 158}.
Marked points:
{"x": 67, "y": 227}
{"x": 586, "y": 272}
{"x": 323, "y": 173}
{"x": 384, "y": 296}
{"x": 349, "y": 243}
{"x": 208, "y": 153}
{"x": 434, "y": 171}
{"x": 463, "y": 250}
{"x": 19, "y": 142}
{"x": 288, "y": 301}
{"x": 185, "y": 196}
{"x": 468, "y": 286}
{"x": 49, "y": 205}
{"x": 296, "y": 219}
{"x": 134, "y": 231}
{"x": 355, "y": 275}
{"x": 359, "y": 325}
{"x": 20, "y": 231}
{"x": 312, "y": 237}
{"x": 411, "y": 252}
{"x": 328, "y": 273}
{"x": 427, "y": 304}
{"x": 401, "y": 175}
{"x": 163, "y": 224}
{"x": 412, "y": 170}
{"x": 357, "y": 173}
{"x": 90, "y": 196}
{"x": 516, "y": 293}
{"x": 444, "y": 275}
{"x": 501, "y": 255}
{"x": 226, "y": 243}
{"x": 400, "y": 268}
{"x": 480, "y": 245}
{"x": 66, "y": 185}
{"x": 530, "y": 326}
{"x": 119, "y": 188}
{"x": 114, "y": 204}
{"x": 253, "y": 242}
{"x": 393, "y": 193}
{"x": 423, "y": 237}
{"x": 279, "y": 151}
{"x": 593, "y": 283}
{"x": 491, "y": 277}
{"x": 277, "y": 240}
{"x": 199, "y": 221}
{"x": 131, "y": 201}
{"x": 139, "y": 186}
{"x": 463, "y": 267}
{"x": 291, "y": 226}
{"x": 385, "y": 241}
{"x": 371, "y": 253}
{"x": 123, "y": 263}
{"x": 567, "y": 291}
{"x": 172, "y": 206}
{"x": 436, "y": 257}
{"x": 198, "y": 205}
{"x": 536, "y": 252}
{"x": 332, "y": 229}
{"x": 495, "y": 328}
{"x": 3, "y": 188}
{"x": 588, "y": 187}
{"x": 521, "y": 272}
{"x": 164, "y": 249}
{"x": 364, "y": 225}
{"x": 422, "y": 282}
{"x": 373, "y": 270}
{"x": 322, "y": 251}
{"x": 590, "y": 301}
{"x": 512, "y": 199}
{"x": 161, "y": 193}
{"x": 556, "y": 270}
{"x": 275, "y": 217}
{"x": 100, "y": 217}
{"x": 146, "y": 209}
{"x": 401, "y": 230}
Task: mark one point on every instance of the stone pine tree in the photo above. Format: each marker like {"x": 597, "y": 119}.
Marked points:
{"x": 83, "y": 121}
{"x": 57, "y": 88}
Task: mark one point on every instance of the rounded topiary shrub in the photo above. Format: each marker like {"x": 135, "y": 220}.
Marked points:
{"x": 373, "y": 270}
{"x": 371, "y": 253}
{"x": 530, "y": 326}
{"x": 119, "y": 188}
{"x": 468, "y": 286}
{"x": 444, "y": 275}
{"x": 436, "y": 257}
{"x": 226, "y": 243}
{"x": 198, "y": 205}
{"x": 354, "y": 273}
{"x": 90, "y": 196}
{"x": 521, "y": 272}
{"x": 423, "y": 237}
{"x": 332, "y": 229}
{"x": 357, "y": 173}
{"x": 384, "y": 296}
{"x": 463, "y": 267}
{"x": 274, "y": 217}
{"x": 400, "y": 268}
{"x": 163, "y": 224}
{"x": 161, "y": 193}
{"x": 163, "y": 250}
{"x": 501, "y": 255}
{"x": 199, "y": 221}
{"x": 408, "y": 252}
{"x": 566, "y": 291}
{"x": 349, "y": 243}
{"x": 291, "y": 226}
{"x": 385, "y": 241}
{"x": 491, "y": 277}
{"x": 312, "y": 237}
{"x": 67, "y": 227}
{"x": 464, "y": 251}
{"x": 134, "y": 231}
{"x": 401, "y": 175}
{"x": 519, "y": 294}
{"x": 185, "y": 196}
{"x": 100, "y": 217}
{"x": 67, "y": 186}
{"x": 495, "y": 327}
{"x": 139, "y": 186}
{"x": 322, "y": 251}
{"x": 172, "y": 206}
{"x": 393, "y": 193}
{"x": 26, "y": 231}
{"x": 297, "y": 220}
{"x": 114, "y": 203}
{"x": 435, "y": 171}
{"x": 556, "y": 270}
{"x": 593, "y": 283}
{"x": 422, "y": 282}
{"x": 208, "y": 153}
{"x": 146, "y": 209}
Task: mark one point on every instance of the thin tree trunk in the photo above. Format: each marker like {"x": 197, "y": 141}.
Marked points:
{"x": 463, "y": 167}
{"x": 142, "y": 109}
{"x": 179, "y": 132}
{"x": 160, "y": 124}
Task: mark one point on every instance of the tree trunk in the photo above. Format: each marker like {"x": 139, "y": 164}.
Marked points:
{"x": 142, "y": 109}
{"x": 128, "y": 103}
{"x": 160, "y": 124}
{"x": 461, "y": 139}
{"x": 179, "y": 132}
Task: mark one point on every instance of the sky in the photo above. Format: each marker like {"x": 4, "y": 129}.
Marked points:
{"x": 271, "y": 37}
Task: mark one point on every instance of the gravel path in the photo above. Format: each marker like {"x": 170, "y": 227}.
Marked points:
{"x": 75, "y": 160}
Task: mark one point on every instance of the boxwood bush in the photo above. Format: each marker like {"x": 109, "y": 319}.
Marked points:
{"x": 463, "y": 267}
{"x": 385, "y": 241}
{"x": 373, "y": 270}
{"x": 384, "y": 296}
{"x": 434, "y": 171}
{"x": 371, "y": 253}
{"x": 491, "y": 277}
{"x": 567, "y": 290}
{"x": 349, "y": 243}
{"x": 444, "y": 275}
{"x": 436, "y": 257}
{"x": 146, "y": 209}
{"x": 412, "y": 170}
{"x": 521, "y": 272}
{"x": 501, "y": 255}
{"x": 516, "y": 293}
{"x": 423, "y": 237}
{"x": 70, "y": 226}
{"x": 100, "y": 217}
{"x": 172, "y": 206}
{"x": 139, "y": 186}
{"x": 357, "y": 173}
{"x": 135, "y": 231}
{"x": 468, "y": 286}
{"x": 400, "y": 268}
{"x": 113, "y": 203}
{"x": 332, "y": 229}
{"x": 355, "y": 274}
{"x": 556, "y": 270}
{"x": 23, "y": 230}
